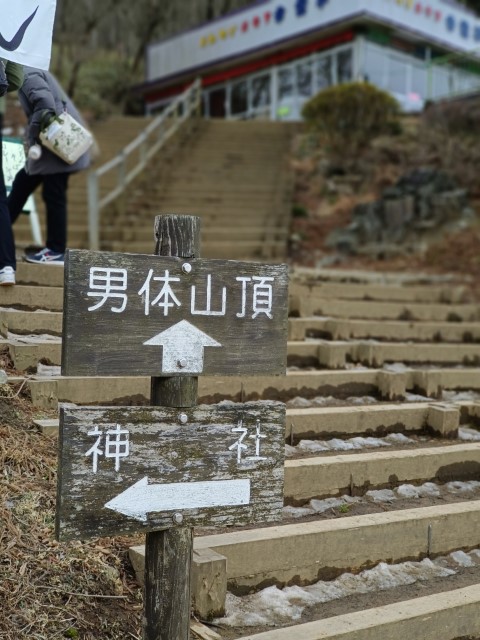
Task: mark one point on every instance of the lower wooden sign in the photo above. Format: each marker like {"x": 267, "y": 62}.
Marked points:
{"x": 124, "y": 470}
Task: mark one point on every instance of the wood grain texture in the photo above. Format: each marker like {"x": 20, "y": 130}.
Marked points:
{"x": 247, "y": 317}
{"x": 168, "y": 553}
{"x": 167, "y": 450}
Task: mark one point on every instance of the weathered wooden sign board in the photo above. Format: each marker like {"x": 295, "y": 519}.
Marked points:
{"x": 138, "y": 469}
{"x": 140, "y": 315}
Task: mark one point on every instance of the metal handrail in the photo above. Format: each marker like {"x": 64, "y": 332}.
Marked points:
{"x": 147, "y": 144}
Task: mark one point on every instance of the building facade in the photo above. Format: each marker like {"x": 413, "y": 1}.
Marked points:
{"x": 268, "y": 59}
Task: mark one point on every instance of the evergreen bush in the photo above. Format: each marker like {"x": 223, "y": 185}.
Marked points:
{"x": 348, "y": 116}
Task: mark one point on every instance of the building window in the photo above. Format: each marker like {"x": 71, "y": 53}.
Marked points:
{"x": 345, "y": 65}
{"x": 261, "y": 91}
{"x": 304, "y": 78}
{"x": 239, "y": 98}
{"x": 324, "y": 72}
{"x": 285, "y": 83}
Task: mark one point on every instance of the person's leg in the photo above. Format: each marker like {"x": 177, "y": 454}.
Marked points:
{"x": 23, "y": 187}
{"x": 55, "y": 197}
{"x": 7, "y": 244}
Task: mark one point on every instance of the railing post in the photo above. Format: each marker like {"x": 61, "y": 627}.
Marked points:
{"x": 93, "y": 212}
{"x": 177, "y": 113}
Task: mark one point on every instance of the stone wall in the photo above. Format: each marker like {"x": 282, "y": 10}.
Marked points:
{"x": 421, "y": 204}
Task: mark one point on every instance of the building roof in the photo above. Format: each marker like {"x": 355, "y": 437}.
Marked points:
{"x": 271, "y": 25}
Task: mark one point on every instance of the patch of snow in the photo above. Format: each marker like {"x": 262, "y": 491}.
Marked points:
{"x": 462, "y": 559}
{"x": 273, "y": 606}
{"x": 465, "y": 433}
{"x": 337, "y": 444}
{"x": 429, "y": 489}
{"x": 299, "y": 402}
{"x": 290, "y": 451}
{"x": 381, "y": 495}
{"x": 408, "y": 491}
{"x": 399, "y": 438}
{"x": 48, "y": 370}
{"x": 362, "y": 400}
{"x": 297, "y": 512}
{"x": 320, "y": 506}
{"x": 414, "y": 397}
{"x": 462, "y": 487}
{"x": 460, "y": 396}
{"x": 398, "y": 367}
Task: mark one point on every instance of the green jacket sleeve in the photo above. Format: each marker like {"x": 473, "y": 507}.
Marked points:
{"x": 14, "y": 73}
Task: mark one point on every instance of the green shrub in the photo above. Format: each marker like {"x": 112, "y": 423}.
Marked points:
{"x": 348, "y": 116}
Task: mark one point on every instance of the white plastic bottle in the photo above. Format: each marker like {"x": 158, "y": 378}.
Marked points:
{"x": 35, "y": 152}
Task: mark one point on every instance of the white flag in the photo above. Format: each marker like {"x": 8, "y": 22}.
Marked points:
{"x": 26, "y": 30}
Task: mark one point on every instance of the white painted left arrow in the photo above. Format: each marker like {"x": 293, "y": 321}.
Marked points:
{"x": 183, "y": 346}
{"x": 143, "y": 498}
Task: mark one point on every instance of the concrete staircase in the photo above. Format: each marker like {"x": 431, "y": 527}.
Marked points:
{"x": 234, "y": 175}
{"x": 371, "y": 357}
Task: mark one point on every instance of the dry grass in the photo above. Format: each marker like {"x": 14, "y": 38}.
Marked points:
{"x": 50, "y": 590}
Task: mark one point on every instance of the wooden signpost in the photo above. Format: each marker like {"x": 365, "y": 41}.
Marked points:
{"x": 167, "y": 468}
{"x": 130, "y": 469}
{"x": 178, "y": 317}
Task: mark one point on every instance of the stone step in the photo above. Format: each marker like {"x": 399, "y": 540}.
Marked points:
{"x": 44, "y": 275}
{"x": 30, "y": 322}
{"x": 427, "y": 293}
{"x": 307, "y": 307}
{"x": 28, "y": 297}
{"x": 232, "y": 250}
{"x": 248, "y": 234}
{"x": 377, "y": 420}
{"x": 339, "y": 354}
{"x": 449, "y": 615}
{"x": 355, "y": 473}
{"x": 26, "y": 354}
{"x": 312, "y": 276}
{"x": 216, "y": 216}
{"x": 315, "y": 423}
{"x": 390, "y": 330}
{"x": 333, "y": 355}
{"x": 320, "y": 549}
{"x": 47, "y": 392}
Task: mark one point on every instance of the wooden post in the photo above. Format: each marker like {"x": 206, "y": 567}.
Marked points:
{"x": 168, "y": 554}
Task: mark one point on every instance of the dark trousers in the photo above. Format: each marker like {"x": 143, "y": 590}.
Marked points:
{"x": 54, "y": 194}
{"x": 7, "y": 244}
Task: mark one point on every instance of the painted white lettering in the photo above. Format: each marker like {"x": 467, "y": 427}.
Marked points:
{"x": 108, "y": 283}
{"x": 116, "y": 446}
{"x": 258, "y": 437}
{"x": 244, "y": 281}
{"x": 262, "y": 297}
{"x": 208, "y": 309}
{"x": 166, "y": 299}
{"x": 238, "y": 445}
{"x": 95, "y": 451}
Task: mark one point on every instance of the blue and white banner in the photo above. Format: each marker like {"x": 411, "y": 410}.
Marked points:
{"x": 26, "y": 30}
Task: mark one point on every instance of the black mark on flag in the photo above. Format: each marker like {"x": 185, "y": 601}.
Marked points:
{"x": 16, "y": 41}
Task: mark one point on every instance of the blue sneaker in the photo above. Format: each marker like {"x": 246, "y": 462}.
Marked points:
{"x": 45, "y": 256}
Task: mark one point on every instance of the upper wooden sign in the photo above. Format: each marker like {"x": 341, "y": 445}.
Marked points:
{"x": 142, "y": 315}
{"x": 138, "y": 469}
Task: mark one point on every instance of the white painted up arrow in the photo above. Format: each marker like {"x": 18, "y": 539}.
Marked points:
{"x": 142, "y": 498}
{"x": 183, "y": 347}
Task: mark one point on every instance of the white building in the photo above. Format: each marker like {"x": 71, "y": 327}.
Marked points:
{"x": 268, "y": 59}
